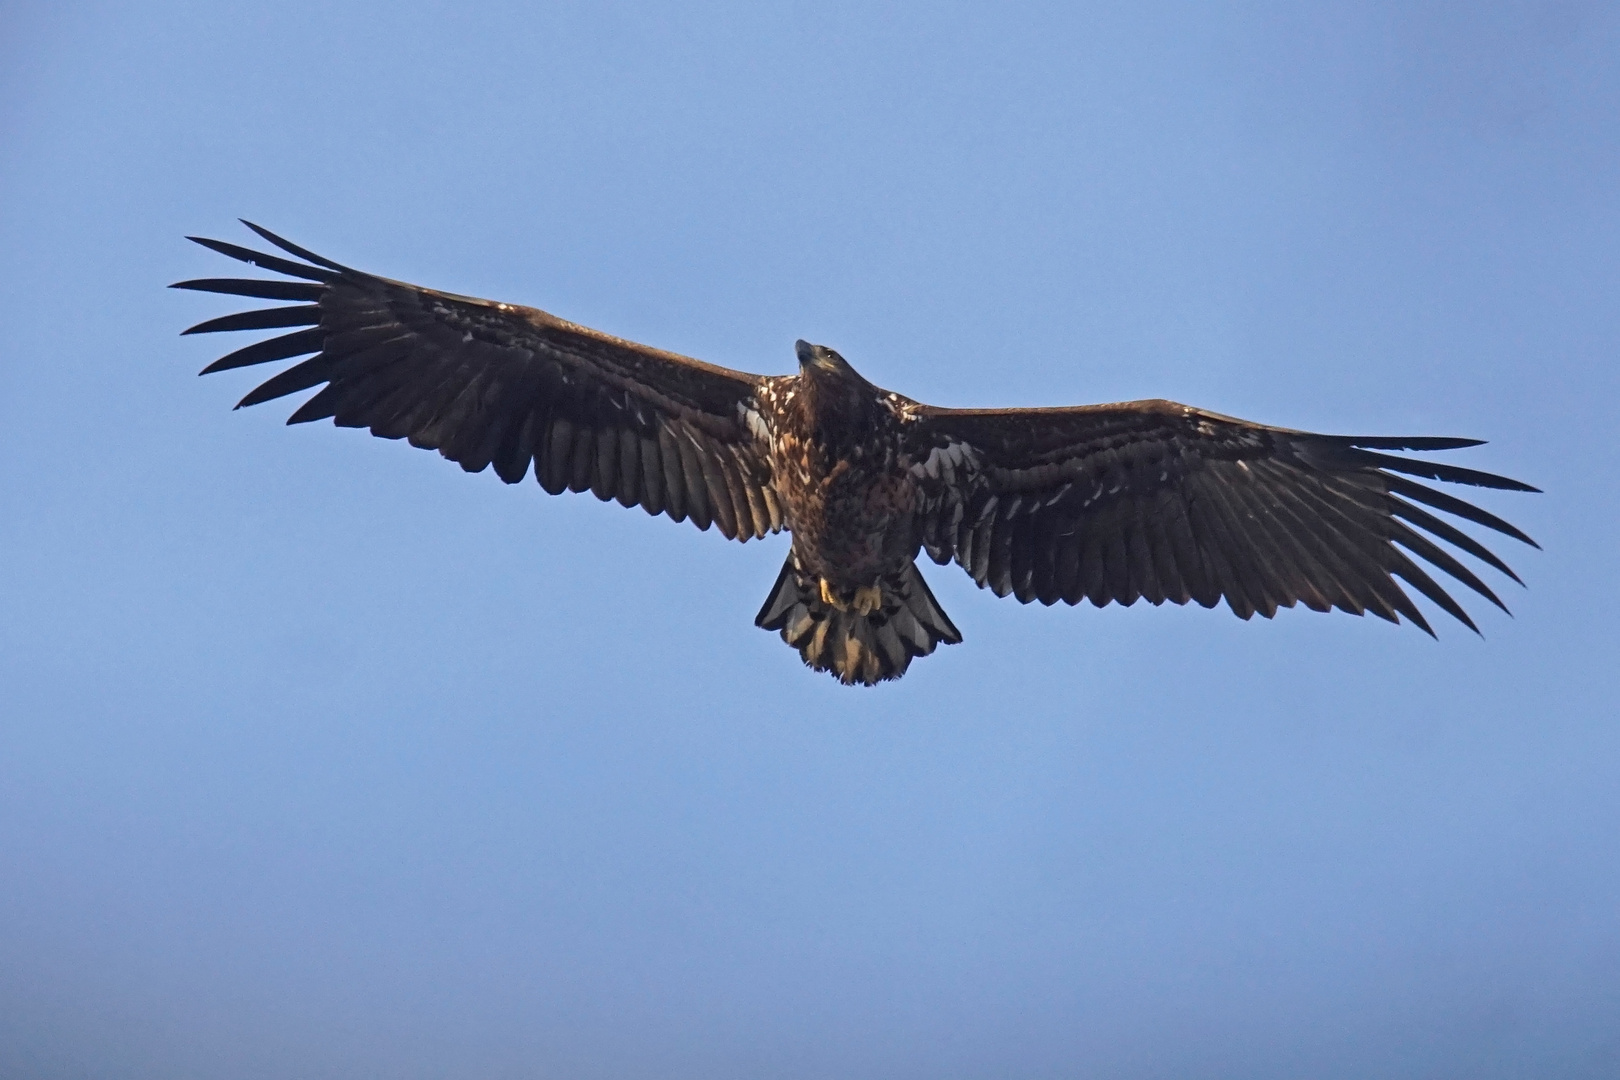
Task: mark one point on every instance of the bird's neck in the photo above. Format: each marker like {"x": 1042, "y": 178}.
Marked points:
{"x": 840, "y": 408}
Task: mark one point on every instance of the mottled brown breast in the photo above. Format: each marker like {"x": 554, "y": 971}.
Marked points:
{"x": 848, "y": 499}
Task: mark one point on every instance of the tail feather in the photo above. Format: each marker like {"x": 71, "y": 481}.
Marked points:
{"x": 854, "y": 648}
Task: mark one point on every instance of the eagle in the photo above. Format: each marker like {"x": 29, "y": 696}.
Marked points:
{"x": 1140, "y": 500}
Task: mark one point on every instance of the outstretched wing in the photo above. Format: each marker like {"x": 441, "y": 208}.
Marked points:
{"x": 1162, "y": 501}
{"x": 486, "y": 383}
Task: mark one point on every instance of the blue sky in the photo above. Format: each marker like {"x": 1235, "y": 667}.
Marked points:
{"x": 321, "y": 758}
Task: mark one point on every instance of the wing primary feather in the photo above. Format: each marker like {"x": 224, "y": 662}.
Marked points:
{"x": 1400, "y": 442}
{"x": 276, "y": 348}
{"x": 302, "y": 376}
{"x": 293, "y": 249}
{"x": 259, "y": 289}
{"x": 1440, "y": 500}
{"x": 1386, "y": 503}
{"x": 262, "y": 319}
{"x": 1431, "y": 470}
{"x": 1450, "y": 534}
{"x": 319, "y": 407}
{"x": 1426, "y": 549}
{"x": 1413, "y": 574}
{"x": 273, "y": 263}
{"x": 1366, "y": 553}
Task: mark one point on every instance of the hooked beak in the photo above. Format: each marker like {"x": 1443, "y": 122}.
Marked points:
{"x": 815, "y": 356}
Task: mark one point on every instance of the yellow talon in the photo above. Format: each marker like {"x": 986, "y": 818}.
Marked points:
{"x": 867, "y": 599}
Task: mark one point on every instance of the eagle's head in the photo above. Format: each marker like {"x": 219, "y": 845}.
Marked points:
{"x": 818, "y": 359}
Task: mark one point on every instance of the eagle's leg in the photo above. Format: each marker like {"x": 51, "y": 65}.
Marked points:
{"x": 829, "y": 595}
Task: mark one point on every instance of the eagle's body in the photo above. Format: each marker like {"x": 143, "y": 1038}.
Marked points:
{"x": 838, "y": 460}
{"x": 1146, "y": 499}
{"x": 848, "y": 482}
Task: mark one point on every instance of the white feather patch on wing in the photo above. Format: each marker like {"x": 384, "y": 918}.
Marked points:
{"x": 754, "y": 422}
{"x": 945, "y": 462}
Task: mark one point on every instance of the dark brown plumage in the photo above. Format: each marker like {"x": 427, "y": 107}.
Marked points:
{"x": 1145, "y": 499}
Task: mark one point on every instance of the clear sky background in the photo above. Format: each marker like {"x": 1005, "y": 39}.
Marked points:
{"x": 320, "y": 758}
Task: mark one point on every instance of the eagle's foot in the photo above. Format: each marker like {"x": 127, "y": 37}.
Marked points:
{"x": 865, "y": 599}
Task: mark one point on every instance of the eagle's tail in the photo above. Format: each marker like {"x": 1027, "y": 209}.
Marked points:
{"x": 852, "y": 647}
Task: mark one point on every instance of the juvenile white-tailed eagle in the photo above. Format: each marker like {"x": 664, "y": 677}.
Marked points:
{"x": 1144, "y": 499}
